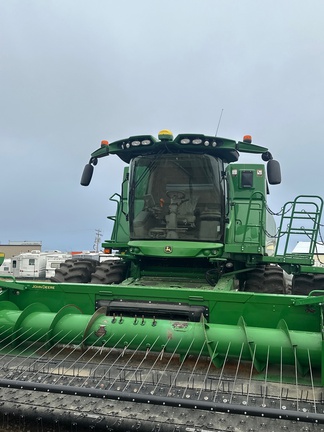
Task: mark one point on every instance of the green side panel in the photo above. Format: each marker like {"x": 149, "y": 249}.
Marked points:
{"x": 2, "y": 256}
{"x": 245, "y": 232}
{"x": 224, "y": 307}
{"x": 248, "y": 234}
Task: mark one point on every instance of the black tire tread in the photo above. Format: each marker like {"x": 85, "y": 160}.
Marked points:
{"x": 266, "y": 279}
{"x": 304, "y": 283}
{"x": 75, "y": 271}
{"x": 109, "y": 272}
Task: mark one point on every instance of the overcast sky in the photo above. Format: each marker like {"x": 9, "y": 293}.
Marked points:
{"x": 75, "y": 72}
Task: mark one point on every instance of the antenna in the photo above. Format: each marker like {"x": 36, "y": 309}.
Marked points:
{"x": 220, "y": 118}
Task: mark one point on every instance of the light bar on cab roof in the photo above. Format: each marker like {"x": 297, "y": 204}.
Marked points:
{"x": 198, "y": 141}
{"x": 137, "y": 142}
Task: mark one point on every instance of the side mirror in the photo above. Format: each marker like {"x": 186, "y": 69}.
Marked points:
{"x": 87, "y": 175}
{"x": 273, "y": 172}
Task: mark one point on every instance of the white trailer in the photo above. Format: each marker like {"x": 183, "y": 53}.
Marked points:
{"x": 29, "y": 265}
{"x": 53, "y": 261}
{"x": 6, "y": 267}
{"x": 96, "y": 256}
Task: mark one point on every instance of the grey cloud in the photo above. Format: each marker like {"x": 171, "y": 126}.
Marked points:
{"x": 73, "y": 73}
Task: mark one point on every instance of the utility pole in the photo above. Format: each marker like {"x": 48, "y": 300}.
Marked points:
{"x": 97, "y": 240}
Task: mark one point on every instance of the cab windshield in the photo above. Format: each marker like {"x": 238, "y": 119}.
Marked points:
{"x": 176, "y": 196}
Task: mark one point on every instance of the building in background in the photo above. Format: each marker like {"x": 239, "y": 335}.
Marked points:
{"x": 13, "y": 248}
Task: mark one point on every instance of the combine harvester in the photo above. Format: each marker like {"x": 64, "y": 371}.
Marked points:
{"x": 193, "y": 328}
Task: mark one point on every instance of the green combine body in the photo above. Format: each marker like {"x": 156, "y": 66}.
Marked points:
{"x": 189, "y": 324}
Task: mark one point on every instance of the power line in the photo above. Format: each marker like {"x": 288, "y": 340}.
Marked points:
{"x": 97, "y": 240}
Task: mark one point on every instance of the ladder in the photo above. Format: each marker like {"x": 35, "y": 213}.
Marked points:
{"x": 300, "y": 220}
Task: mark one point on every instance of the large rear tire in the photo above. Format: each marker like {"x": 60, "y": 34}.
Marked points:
{"x": 266, "y": 279}
{"x": 109, "y": 272}
{"x": 74, "y": 270}
{"x": 303, "y": 284}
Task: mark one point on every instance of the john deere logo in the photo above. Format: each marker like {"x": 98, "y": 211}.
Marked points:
{"x": 168, "y": 249}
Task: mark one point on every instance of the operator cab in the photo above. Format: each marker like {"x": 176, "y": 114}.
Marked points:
{"x": 176, "y": 196}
